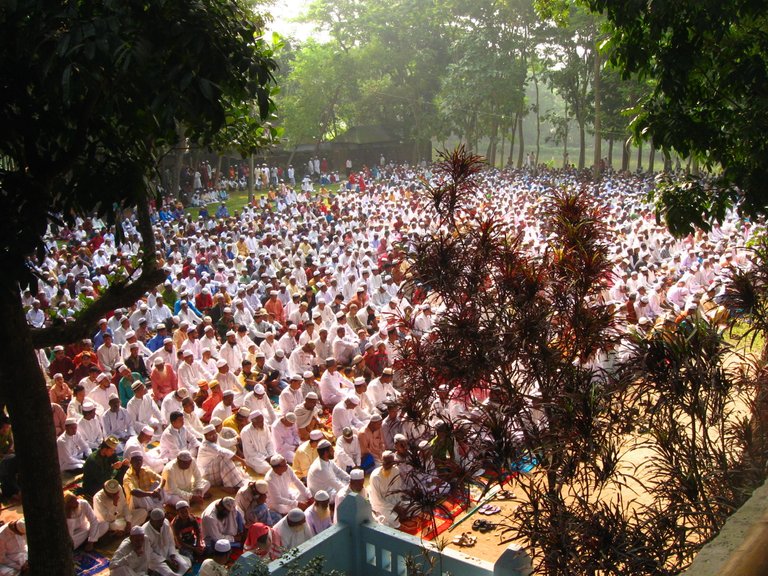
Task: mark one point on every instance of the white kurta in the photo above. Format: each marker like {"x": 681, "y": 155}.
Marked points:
{"x": 160, "y": 546}
{"x": 125, "y": 561}
{"x": 257, "y": 447}
{"x": 285, "y": 491}
{"x": 13, "y": 551}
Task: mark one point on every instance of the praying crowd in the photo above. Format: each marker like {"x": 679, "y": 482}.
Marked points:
{"x": 236, "y": 405}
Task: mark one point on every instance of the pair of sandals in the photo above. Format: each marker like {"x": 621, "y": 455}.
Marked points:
{"x": 489, "y": 509}
{"x": 483, "y": 526}
{"x": 465, "y": 540}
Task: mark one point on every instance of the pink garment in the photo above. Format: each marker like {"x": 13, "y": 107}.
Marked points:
{"x": 163, "y": 382}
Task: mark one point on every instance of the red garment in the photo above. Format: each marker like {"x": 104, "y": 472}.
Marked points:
{"x": 256, "y": 531}
{"x": 163, "y": 382}
{"x": 203, "y": 301}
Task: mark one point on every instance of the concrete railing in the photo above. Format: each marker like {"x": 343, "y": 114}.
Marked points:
{"x": 357, "y": 545}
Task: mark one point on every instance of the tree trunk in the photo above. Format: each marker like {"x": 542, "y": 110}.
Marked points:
{"x": 24, "y": 391}
{"x": 178, "y": 161}
{"x": 625, "y": 156}
{"x": 503, "y": 142}
{"x": 521, "y": 143}
{"x": 640, "y": 156}
{"x": 610, "y": 152}
{"x": 651, "y": 157}
{"x": 598, "y": 135}
{"x": 695, "y": 166}
{"x": 250, "y": 177}
{"x": 512, "y": 138}
{"x": 582, "y": 144}
{"x": 667, "y": 161}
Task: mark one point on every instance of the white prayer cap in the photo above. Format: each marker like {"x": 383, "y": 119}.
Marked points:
{"x": 130, "y": 334}
{"x": 215, "y": 421}
{"x": 308, "y": 374}
{"x": 222, "y": 545}
{"x": 279, "y": 353}
{"x": 113, "y": 396}
{"x": 184, "y": 456}
{"x": 296, "y": 515}
{"x": 276, "y": 459}
{"x": 359, "y": 381}
{"x": 353, "y": 399}
{"x": 244, "y": 412}
{"x": 357, "y": 474}
{"x": 208, "y": 429}
{"x": 376, "y": 417}
{"x": 157, "y": 514}
{"x": 221, "y": 363}
{"x": 322, "y": 496}
{"x": 258, "y": 389}
{"x": 137, "y": 530}
{"x": 182, "y": 504}
{"x": 261, "y": 486}
{"x": 70, "y": 421}
{"x": 400, "y": 438}
{"x": 188, "y": 353}
{"x": 229, "y": 393}
{"x": 111, "y": 486}
{"x": 316, "y": 435}
{"x": 324, "y": 444}
{"x": 254, "y": 414}
{"x": 88, "y": 406}
{"x": 291, "y": 417}
{"x": 159, "y": 361}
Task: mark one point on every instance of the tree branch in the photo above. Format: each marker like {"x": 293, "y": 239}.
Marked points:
{"x": 118, "y": 294}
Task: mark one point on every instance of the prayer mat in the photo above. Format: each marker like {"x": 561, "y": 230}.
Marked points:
{"x": 89, "y": 563}
{"x": 444, "y": 515}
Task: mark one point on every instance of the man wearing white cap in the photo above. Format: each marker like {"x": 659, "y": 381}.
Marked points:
{"x": 356, "y": 486}
{"x": 190, "y": 372}
{"x": 222, "y": 520}
{"x": 217, "y": 566}
{"x": 163, "y": 379}
{"x": 164, "y": 558}
{"x": 226, "y": 407}
{"x": 172, "y": 403}
{"x": 306, "y": 453}
{"x": 101, "y": 393}
{"x": 230, "y": 351}
{"x": 117, "y": 421}
{"x": 228, "y": 381}
{"x": 142, "y": 409}
{"x": 139, "y": 443}
{"x": 257, "y": 444}
{"x": 285, "y": 490}
{"x": 218, "y": 463}
{"x": 384, "y": 491}
{"x": 333, "y": 386}
{"x": 319, "y": 516}
{"x": 84, "y": 528}
{"x": 285, "y": 436}
{"x": 110, "y": 506}
{"x": 291, "y": 396}
{"x": 257, "y": 399}
{"x": 176, "y": 437}
{"x": 344, "y": 415}
{"x": 323, "y": 473}
{"x": 131, "y": 558}
{"x": 381, "y": 389}
{"x": 13, "y": 548}
{"x": 71, "y": 447}
{"x": 184, "y": 481}
{"x": 89, "y": 426}
{"x": 293, "y": 529}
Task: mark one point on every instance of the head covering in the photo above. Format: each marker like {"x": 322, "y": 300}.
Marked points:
{"x": 322, "y": 496}
{"x": 316, "y": 435}
{"x": 184, "y": 456}
{"x": 291, "y": 417}
{"x": 357, "y": 474}
{"x": 157, "y": 514}
{"x": 137, "y": 530}
{"x": 261, "y": 486}
{"x": 296, "y": 515}
{"x": 208, "y": 429}
{"x": 222, "y": 546}
{"x": 111, "y": 441}
{"x": 324, "y": 444}
{"x": 111, "y": 486}
{"x": 148, "y": 430}
{"x": 276, "y": 459}
{"x": 182, "y": 504}
{"x": 70, "y": 421}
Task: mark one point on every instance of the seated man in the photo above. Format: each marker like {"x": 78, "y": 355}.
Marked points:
{"x": 285, "y": 491}
{"x": 176, "y": 437}
{"x": 319, "y": 516}
{"x": 152, "y": 458}
{"x": 72, "y": 448}
{"x": 217, "y": 464}
{"x": 183, "y": 480}
{"x": 143, "y": 487}
{"x": 186, "y": 530}
{"x": 117, "y": 421}
{"x": 164, "y": 557}
{"x": 101, "y": 465}
{"x": 384, "y": 491}
{"x": 371, "y": 443}
{"x": 347, "y": 453}
{"x": 285, "y": 437}
{"x": 305, "y": 454}
{"x": 110, "y": 506}
{"x": 324, "y": 474}
{"x": 13, "y": 548}
{"x": 356, "y": 486}
{"x": 344, "y": 415}
{"x": 251, "y": 501}
{"x": 293, "y": 529}
{"x": 84, "y": 527}
{"x": 256, "y": 440}
{"x": 308, "y": 416}
{"x": 222, "y": 520}
{"x": 131, "y": 557}
{"x": 89, "y": 426}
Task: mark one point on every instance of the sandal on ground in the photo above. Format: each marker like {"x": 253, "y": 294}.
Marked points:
{"x": 505, "y": 495}
{"x": 483, "y": 526}
{"x": 464, "y": 539}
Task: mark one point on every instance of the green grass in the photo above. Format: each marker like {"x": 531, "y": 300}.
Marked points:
{"x": 236, "y": 201}
{"x": 736, "y": 337}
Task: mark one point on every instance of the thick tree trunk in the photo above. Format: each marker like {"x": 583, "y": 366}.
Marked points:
{"x": 651, "y": 157}
{"x": 521, "y": 143}
{"x": 24, "y": 391}
{"x": 625, "y": 156}
{"x": 513, "y": 132}
{"x": 640, "y": 156}
{"x": 538, "y": 119}
{"x": 503, "y": 142}
{"x": 610, "y": 152}
{"x": 582, "y": 144}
